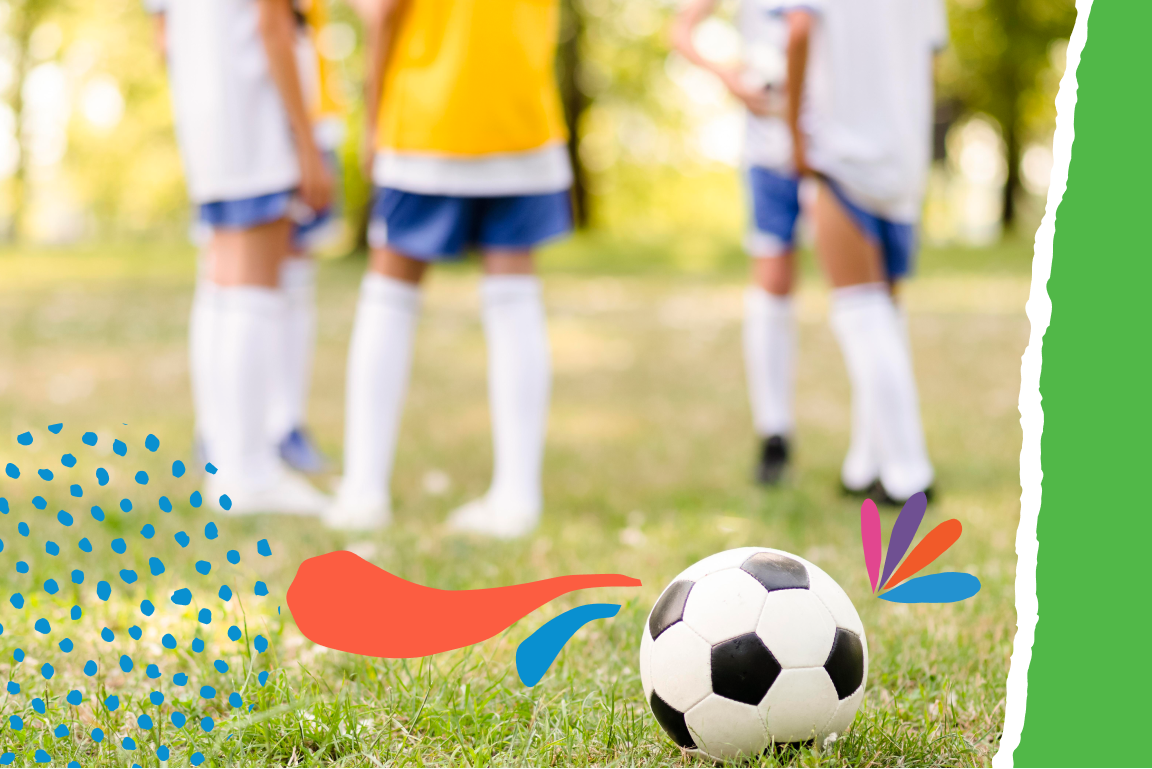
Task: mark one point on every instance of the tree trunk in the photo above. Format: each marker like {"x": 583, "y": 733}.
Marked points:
{"x": 575, "y": 101}
{"x": 1012, "y": 179}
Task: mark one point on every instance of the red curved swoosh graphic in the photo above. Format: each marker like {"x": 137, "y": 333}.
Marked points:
{"x": 343, "y": 602}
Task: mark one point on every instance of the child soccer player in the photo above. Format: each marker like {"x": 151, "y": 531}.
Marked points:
{"x": 249, "y": 153}
{"x": 469, "y": 154}
{"x": 860, "y": 99}
{"x": 769, "y": 323}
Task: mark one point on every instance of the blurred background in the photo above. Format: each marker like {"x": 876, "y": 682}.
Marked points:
{"x": 650, "y": 444}
{"x": 87, "y": 152}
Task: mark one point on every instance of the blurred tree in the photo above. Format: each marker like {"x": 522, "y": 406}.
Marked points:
{"x": 1002, "y": 50}
{"x": 24, "y": 18}
{"x": 575, "y": 99}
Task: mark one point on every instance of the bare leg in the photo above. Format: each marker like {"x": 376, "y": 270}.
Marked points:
{"x": 775, "y": 274}
{"x": 847, "y": 256}
{"x": 390, "y": 264}
{"x": 250, "y": 257}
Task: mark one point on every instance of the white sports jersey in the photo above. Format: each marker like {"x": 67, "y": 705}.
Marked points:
{"x": 868, "y": 99}
{"x": 230, "y": 121}
{"x": 767, "y": 140}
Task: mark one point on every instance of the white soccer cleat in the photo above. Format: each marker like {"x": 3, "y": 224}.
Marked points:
{"x": 481, "y": 517}
{"x": 347, "y": 513}
{"x": 289, "y": 494}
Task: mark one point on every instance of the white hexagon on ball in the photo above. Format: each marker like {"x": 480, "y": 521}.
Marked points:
{"x": 727, "y": 729}
{"x": 797, "y": 628}
{"x": 799, "y": 704}
{"x": 681, "y": 667}
{"x": 724, "y": 605}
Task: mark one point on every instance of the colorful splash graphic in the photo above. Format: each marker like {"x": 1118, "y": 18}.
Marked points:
{"x": 897, "y": 584}
{"x": 88, "y": 581}
{"x": 343, "y": 602}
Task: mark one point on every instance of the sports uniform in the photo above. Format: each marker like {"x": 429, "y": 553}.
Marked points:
{"x": 470, "y": 154}
{"x": 242, "y": 168}
{"x": 867, "y": 121}
{"x": 470, "y": 145}
{"x": 867, "y": 113}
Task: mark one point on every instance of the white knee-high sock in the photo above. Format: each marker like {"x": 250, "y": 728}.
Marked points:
{"x": 519, "y": 385}
{"x": 379, "y": 362}
{"x": 245, "y": 336}
{"x": 769, "y": 359}
{"x": 288, "y": 398}
{"x": 201, "y": 333}
{"x": 887, "y": 437}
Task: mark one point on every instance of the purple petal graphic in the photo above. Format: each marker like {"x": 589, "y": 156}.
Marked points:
{"x": 903, "y": 532}
{"x": 948, "y": 587}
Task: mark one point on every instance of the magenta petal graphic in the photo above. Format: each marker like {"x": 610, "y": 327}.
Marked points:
{"x": 903, "y": 532}
{"x": 870, "y": 536}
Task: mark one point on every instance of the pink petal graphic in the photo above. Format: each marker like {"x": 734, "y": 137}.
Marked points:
{"x": 870, "y": 535}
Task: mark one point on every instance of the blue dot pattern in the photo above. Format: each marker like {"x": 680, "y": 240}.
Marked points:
{"x": 119, "y": 559}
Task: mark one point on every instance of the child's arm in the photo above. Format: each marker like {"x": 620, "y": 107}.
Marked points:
{"x": 380, "y": 20}
{"x": 160, "y": 30}
{"x": 799, "y": 34}
{"x": 278, "y": 31}
{"x": 691, "y": 15}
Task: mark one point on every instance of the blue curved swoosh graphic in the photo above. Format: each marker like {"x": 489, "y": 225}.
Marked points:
{"x": 538, "y": 651}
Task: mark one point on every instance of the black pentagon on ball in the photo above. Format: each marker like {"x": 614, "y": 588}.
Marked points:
{"x": 672, "y": 721}
{"x": 777, "y": 572}
{"x": 845, "y": 663}
{"x": 670, "y": 608}
{"x": 743, "y": 669}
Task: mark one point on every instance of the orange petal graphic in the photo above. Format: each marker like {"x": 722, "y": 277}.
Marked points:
{"x": 930, "y": 548}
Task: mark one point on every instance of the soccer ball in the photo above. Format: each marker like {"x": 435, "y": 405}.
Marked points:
{"x": 753, "y": 647}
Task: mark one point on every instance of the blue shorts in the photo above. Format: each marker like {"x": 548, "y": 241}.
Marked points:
{"x": 775, "y": 202}
{"x": 440, "y": 227}
{"x": 897, "y": 240}
{"x": 246, "y": 213}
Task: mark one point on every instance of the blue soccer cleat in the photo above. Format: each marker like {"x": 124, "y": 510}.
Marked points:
{"x": 299, "y": 451}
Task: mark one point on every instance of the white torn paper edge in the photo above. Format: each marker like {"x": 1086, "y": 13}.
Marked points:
{"x": 1039, "y": 309}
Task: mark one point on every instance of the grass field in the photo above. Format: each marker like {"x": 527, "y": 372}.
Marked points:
{"x": 648, "y": 467}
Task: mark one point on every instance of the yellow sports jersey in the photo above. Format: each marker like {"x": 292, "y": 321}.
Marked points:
{"x": 325, "y": 102}
{"x": 472, "y": 78}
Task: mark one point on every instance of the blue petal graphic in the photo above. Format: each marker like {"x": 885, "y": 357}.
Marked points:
{"x": 949, "y": 587}
{"x": 538, "y": 651}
